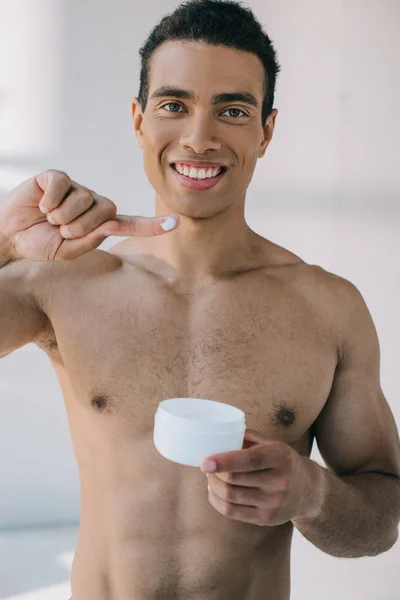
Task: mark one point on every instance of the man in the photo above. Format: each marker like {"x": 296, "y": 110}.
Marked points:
{"x": 212, "y": 310}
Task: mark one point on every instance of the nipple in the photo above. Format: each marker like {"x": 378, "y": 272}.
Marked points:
{"x": 101, "y": 403}
{"x": 284, "y": 417}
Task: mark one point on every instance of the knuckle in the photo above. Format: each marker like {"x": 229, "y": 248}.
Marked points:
{"x": 256, "y": 460}
{"x": 284, "y": 483}
{"x": 229, "y": 494}
{"x": 86, "y": 197}
{"x": 53, "y": 172}
{"x": 93, "y": 243}
{"x": 61, "y": 176}
{"x": 229, "y": 510}
{"x": 77, "y": 230}
{"x": 112, "y": 208}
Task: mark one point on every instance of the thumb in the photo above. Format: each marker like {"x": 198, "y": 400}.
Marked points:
{"x": 252, "y": 437}
{"x": 125, "y": 225}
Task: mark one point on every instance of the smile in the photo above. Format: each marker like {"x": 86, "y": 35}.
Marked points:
{"x": 199, "y": 179}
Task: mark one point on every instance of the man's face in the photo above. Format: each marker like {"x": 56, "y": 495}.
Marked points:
{"x": 186, "y": 124}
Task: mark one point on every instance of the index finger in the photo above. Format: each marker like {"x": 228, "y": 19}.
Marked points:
{"x": 125, "y": 225}
{"x": 257, "y": 458}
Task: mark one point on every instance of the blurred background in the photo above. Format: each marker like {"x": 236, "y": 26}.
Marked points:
{"x": 327, "y": 189}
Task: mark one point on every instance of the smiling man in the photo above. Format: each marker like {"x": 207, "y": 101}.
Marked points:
{"x": 211, "y": 310}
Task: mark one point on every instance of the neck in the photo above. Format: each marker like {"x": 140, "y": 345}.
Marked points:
{"x": 212, "y": 247}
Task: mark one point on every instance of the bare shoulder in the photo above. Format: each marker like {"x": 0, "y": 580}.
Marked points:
{"x": 339, "y": 301}
{"x": 333, "y": 297}
{"x": 344, "y": 294}
{"x": 333, "y": 290}
{"x": 310, "y": 278}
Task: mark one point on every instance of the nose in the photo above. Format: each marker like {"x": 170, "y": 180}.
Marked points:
{"x": 200, "y": 135}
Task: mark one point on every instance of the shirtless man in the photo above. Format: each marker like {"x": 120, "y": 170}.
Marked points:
{"x": 212, "y": 310}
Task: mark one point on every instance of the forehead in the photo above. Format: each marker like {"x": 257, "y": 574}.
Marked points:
{"x": 201, "y": 66}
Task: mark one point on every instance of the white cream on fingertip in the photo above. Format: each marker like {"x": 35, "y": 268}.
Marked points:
{"x": 168, "y": 224}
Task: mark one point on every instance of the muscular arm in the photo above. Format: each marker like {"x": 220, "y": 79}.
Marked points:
{"x": 21, "y": 319}
{"x": 357, "y": 499}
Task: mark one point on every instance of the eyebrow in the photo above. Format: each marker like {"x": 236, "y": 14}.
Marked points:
{"x": 173, "y": 92}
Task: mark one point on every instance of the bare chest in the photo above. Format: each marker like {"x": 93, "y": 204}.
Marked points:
{"x": 120, "y": 346}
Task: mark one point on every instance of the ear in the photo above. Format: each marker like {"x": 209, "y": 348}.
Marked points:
{"x": 137, "y": 116}
{"x": 268, "y": 132}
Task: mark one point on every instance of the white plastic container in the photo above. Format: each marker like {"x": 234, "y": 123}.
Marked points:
{"x": 187, "y": 430}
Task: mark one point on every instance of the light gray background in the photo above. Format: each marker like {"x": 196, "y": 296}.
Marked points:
{"x": 327, "y": 189}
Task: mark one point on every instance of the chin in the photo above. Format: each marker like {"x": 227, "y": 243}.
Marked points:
{"x": 196, "y": 209}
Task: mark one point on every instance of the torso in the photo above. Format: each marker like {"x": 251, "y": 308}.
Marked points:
{"x": 121, "y": 338}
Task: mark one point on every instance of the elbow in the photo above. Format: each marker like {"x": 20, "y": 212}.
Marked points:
{"x": 364, "y": 550}
{"x": 386, "y": 545}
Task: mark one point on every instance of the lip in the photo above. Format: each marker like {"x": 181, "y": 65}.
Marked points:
{"x": 199, "y": 185}
{"x": 198, "y": 163}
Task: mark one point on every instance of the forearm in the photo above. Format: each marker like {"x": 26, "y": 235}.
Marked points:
{"x": 351, "y": 516}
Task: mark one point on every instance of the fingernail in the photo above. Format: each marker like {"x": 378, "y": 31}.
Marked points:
{"x": 65, "y": 232}
{"x": 44, "y": 209}
{"x": 51, "y": 220}
{"x": 209, "y": 465}
{"x": 168, "y": 224}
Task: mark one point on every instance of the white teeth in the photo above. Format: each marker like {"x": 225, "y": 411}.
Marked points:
{"x": 194, "y": 173}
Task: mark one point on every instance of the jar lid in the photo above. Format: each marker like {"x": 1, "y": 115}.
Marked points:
{"x": 200, "y": 415}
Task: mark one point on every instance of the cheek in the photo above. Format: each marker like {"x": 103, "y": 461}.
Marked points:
{"x": 243, "y": 141}
{"x": 156, "y": 145}
{"x": 153, "y": 145}
{"x": 249, "y": 142}
{"x": 157, "y": 142}
{"x": 159, "y": 134}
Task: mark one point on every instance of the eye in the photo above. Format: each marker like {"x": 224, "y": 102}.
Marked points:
{"x": 236, "y": 110}
{"x": 175, "y": 106}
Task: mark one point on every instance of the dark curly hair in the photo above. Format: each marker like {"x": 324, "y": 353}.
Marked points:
{"x": 216, "y": 22}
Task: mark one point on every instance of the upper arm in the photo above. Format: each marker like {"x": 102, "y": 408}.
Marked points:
{"x": 356, "y": 431}
{"x": 21, "y": 319}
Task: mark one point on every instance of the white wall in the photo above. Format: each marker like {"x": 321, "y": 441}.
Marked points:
{"x": 327, "y": 189}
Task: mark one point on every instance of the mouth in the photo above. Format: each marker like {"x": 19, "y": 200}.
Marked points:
{"x": 199, "y": 178}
